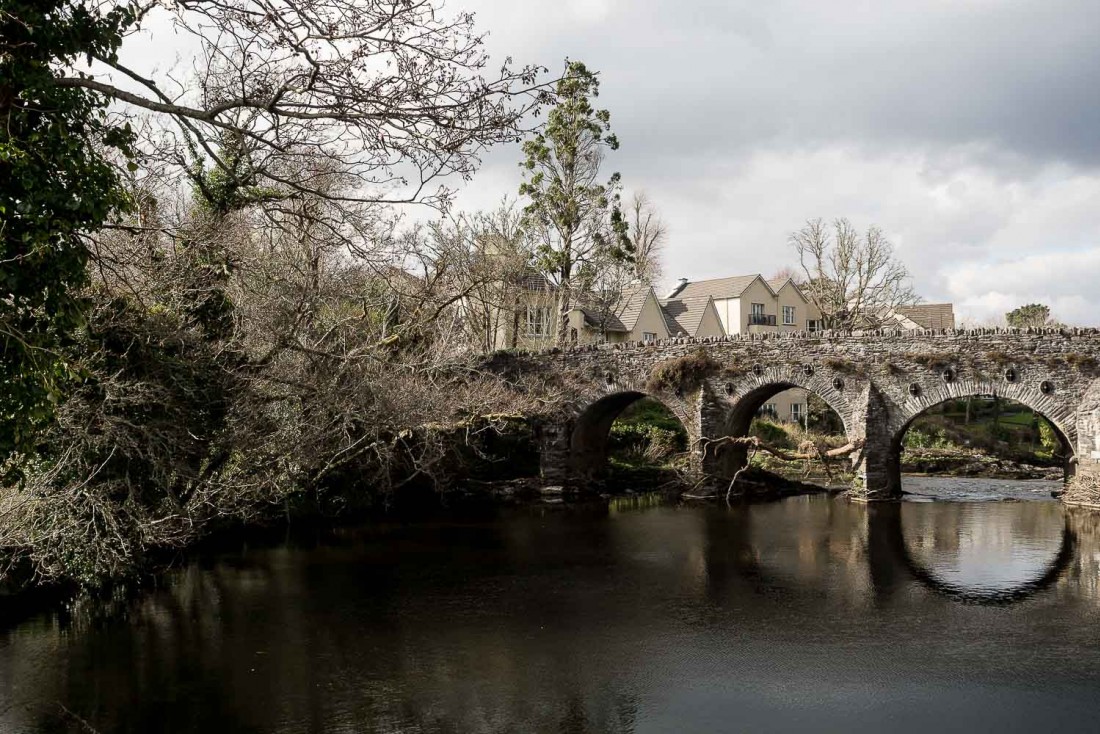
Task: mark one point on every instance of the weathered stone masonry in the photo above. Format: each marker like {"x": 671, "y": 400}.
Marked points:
{"x": 877, "y": 382}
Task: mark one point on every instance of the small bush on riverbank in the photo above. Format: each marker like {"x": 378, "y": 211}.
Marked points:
{"x": 646, "y": 433}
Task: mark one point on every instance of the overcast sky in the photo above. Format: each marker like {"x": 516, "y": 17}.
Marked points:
{"x": 968, "y": 130}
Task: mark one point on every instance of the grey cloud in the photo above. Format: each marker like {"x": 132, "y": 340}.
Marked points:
{"x": 970, "y": 131}
{"x": 731, "y": 76}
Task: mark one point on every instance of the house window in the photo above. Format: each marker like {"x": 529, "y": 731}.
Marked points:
{"x": 768, "y": 411}
{"x": 813, "y": 325}
{"x": 788, "y": 316}
{"x": 538, "y": 321}
{"x": 757, "y": 317}
{"x": 797, "y": 411}
{"x": 648, "y": 337}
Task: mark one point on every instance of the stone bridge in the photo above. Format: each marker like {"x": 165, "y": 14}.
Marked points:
{"x": 878, "y": 382}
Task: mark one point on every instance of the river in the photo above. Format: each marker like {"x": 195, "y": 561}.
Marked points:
{"x": 973, "y": 605}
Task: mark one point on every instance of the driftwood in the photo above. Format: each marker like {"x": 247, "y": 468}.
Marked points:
{"x": 807, "y": 451}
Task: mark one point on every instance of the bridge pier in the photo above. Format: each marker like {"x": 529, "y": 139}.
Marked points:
{"x": 555, "y": 453}
{"x": 877, "y": 463}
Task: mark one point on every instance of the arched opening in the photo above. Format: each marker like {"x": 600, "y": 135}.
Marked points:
{"x": 981, "y": 436}
{"x": 781, "y": 414}
{"x": 627, "y": 431}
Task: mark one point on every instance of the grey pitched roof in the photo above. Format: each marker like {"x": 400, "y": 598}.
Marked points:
{"x": 930, "y": 315}
{"x": 532, "y": 280}
{"x": 717, "y": 287}
{"x": 684, "y": 315}
{"x": 633, "y": 300}
{"x": 624, "y": 317}
{"x": 597, "y": 318}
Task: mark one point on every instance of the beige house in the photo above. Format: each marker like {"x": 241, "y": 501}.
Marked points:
{"x": 695, "y": 316}
{"x": 532, "y": 322}
{"x": 635, "y": 317}
{"x": 747, "y": 304}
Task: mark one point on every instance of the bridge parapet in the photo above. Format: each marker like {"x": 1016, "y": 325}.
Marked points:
{"x": 877, "y": 381}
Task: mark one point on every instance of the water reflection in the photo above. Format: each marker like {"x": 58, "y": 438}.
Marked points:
{"x": 806, "y": 613}
{"x": 986, "y": 554}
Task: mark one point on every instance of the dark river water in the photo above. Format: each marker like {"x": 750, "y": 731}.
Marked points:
{"x": 952, "y": 611}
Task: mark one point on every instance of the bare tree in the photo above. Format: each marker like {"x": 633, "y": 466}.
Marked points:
{"x": 486, "y": 256}
{"x": 787, "y": 273}
{"x": 854, "y": 279}
{"x": 648, "y": 234}
{"x": 389, "y": 92}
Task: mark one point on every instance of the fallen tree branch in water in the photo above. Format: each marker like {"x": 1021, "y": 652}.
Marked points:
{"x": 807, "y": 451}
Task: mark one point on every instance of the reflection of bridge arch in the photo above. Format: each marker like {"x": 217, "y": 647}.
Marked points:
{"x": 1057, "y": 414}
{"x": 886, "y": 523}
{"x": 734, "y": 551}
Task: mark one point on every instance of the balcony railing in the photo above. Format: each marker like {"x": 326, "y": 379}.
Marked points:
{"x": 761, "y": 319}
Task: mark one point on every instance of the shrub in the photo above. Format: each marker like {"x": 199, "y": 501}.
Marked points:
{"x": 1081, "y": 362}
{"x": 769, "y": 433}
{"x": 643, "y": 440}
{"x": 927, "y": 437}
{"x": 1052, "y": 445}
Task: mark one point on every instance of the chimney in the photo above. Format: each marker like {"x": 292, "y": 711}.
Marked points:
{"x": 680, "y": 285}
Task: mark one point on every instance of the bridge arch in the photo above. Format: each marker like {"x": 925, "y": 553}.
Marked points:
{"x": 1057, "y": 413}
{"x": 744, "y": 397}
{"x": 590, "y": 431}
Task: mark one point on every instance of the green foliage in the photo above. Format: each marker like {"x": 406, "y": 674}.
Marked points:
{"x": 648, "y": 433}
{"x": 927, "y": 437}
{"x": 770, "y": 433}
{"x": 221, "y": 189}
{"x": 1033, "y": 314}
{"x": 821, "y": 418}
{"x": 682, "y": 374}
{"x": 649, "y": 440}
{"x": 1048, "y": 438}
{"x": 58, "y": 185}
{"x": 651, "y": 412}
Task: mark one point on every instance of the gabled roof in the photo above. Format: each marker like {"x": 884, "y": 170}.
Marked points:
{"x": 634, "y": 299}
{"x": 684, "y": 315}
{"x": 625, "y": 316}
{"x": 718, "y": 288}
{"x": 532, "y": 280}
{"x": 929, "y": 315}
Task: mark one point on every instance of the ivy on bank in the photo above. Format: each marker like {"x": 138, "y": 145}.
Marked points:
{"x": 58, "y": 184}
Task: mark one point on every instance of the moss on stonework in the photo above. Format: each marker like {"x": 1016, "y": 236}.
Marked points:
{"x": 683, "y": 374}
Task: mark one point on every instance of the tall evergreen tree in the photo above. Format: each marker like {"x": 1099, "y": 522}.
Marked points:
{"x": 572, "y": 215}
